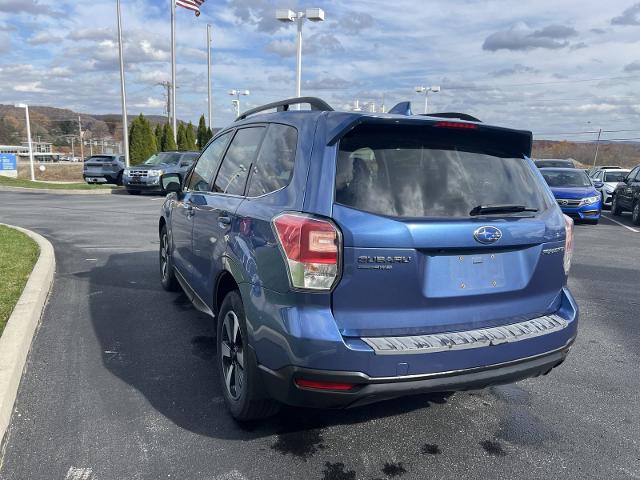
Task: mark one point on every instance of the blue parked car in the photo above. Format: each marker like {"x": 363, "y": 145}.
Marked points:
{"x": 575, "y": 193}
{"x": 349, "y": 258}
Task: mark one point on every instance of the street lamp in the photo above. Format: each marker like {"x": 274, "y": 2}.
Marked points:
{"x": 426, "y": 90}
{"x": 26, "y": 110}
{"x": 287, "y": 15}
{"x": 236, "y": 102}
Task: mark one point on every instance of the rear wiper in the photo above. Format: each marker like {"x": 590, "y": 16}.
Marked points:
{"x": 504, "y": 208}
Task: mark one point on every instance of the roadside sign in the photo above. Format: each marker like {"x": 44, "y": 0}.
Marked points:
{"x": 8, "y": 165}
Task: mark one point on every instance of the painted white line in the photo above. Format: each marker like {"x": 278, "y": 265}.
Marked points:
{"x": 75, "y": 473}
{"x": 621, "y": 224}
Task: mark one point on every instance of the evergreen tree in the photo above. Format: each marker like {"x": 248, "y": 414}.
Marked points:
{"x": 202, "y": 133}
{"x": 182, "y": 138}
{"x": 190, "y": 136}
{"x": 142, "y": 141}
{"x": 209, "y": 135}
{"x": 158, "y": 134}
{"x": 168, "y": 142}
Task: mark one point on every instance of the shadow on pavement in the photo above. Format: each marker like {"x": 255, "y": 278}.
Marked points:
{"x": 160, "y": 345}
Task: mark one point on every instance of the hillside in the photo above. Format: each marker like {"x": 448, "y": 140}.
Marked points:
{"x": 56, "y": 124}
{"x": 609, "y": 153}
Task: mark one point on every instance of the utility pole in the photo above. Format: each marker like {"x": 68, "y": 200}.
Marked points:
{"x": 167, "y": 85}
{"x": 595, "y": 157}
{"x": 81, "y": 139}
{"x": 73, "y": 151}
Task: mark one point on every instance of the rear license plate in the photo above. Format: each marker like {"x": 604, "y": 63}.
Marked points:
{"x": 454, "y": 275}
{"x": 96, "y": 179}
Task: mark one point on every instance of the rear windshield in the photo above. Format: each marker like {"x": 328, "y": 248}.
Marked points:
{"x": 168, "y": 158}
{"x": 99, "y": 158}
{"x": 615, "y": 176}
{"x": 566, "y": 178}
{"x": 403, "y": 171}
{"x": 554, "y": 163}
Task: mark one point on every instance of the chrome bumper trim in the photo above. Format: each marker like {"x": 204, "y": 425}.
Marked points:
{"x": 464, "y": 340}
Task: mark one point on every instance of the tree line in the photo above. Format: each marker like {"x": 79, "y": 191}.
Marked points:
{"x": 145, "y": 141}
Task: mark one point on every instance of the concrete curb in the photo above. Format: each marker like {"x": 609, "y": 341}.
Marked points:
{"x": 103, "y": 191}
{"x": 23, "y": 322}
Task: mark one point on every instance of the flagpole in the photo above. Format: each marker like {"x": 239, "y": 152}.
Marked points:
{"x": 209, "y": 76}
{"x": 125, "y": 126}
{"x": 174, "y": 120}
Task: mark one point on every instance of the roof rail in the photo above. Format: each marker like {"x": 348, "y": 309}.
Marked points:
{"x": 459, "y": 116}
{"x": 284, "y": 105}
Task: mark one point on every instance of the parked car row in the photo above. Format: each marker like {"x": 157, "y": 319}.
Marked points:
{"x": 582, "y": 194}
{"x": 109, "y": 168}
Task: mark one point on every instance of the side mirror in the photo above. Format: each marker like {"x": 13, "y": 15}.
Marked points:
{"x": 598, "y": 184}
{"x": 171, "y": 183}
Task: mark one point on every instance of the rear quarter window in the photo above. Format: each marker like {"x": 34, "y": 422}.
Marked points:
{"x": 274, "y": 167}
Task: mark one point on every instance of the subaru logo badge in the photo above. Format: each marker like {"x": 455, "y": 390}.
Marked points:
{"x": 487, "y": 235}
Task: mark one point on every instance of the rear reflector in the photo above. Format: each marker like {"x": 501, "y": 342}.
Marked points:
{"x": 460, "y": 125}
{"x": 568, "y": 243}
{"x": 317, "y": 385}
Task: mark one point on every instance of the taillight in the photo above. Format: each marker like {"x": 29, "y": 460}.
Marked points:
{"x": 312, "y": 249}
{"x": 568, "y": 243}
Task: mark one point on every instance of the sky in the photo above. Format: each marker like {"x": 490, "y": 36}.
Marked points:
{"x": 554, "y": 67}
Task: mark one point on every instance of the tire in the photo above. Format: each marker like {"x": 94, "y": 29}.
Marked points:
{"x": 167, "y": 275}
{"x": 635, "y": 215}
{"x": 237, "y": 367}
{"x": 133, "y": 192}
{"x": 615, "y": 208}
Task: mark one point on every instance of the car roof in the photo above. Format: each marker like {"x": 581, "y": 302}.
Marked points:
{"x": 561, "y": 169}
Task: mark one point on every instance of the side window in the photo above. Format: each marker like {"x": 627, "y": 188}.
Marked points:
{"x": 240, "y": 155}
{"x": 274, "y": 167}
{"x": 207, "y": 165}
{"x": 633, "y": 175}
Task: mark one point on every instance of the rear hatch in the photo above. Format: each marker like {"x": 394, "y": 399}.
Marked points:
{"x": 420, "y": 256}
{"x": 98, "y": 165}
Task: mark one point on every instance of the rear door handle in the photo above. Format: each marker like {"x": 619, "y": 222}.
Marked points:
{"x": 188, "y": 206}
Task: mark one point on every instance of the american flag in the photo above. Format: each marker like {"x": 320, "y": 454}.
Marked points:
{"x": 193, "y": 5}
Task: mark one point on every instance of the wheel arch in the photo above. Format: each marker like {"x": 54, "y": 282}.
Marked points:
{"x": 225, "y": 283}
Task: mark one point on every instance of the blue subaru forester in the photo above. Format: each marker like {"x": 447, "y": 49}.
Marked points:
{"x": 352, "y": 257}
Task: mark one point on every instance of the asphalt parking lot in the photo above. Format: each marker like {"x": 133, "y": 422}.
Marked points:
{"x": 121, "y": 383}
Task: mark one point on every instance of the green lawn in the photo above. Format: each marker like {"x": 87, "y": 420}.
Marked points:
{"x": 20, "y": 182}
{"x": 18, "y": 255}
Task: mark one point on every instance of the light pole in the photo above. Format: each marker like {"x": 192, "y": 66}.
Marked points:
{"x": 426, "y": 90}
{"x": 236, "y": 102}
{"x": 123, "y": 95}
{"x": 26, "y": 110}
{"x": 287, "y": 15}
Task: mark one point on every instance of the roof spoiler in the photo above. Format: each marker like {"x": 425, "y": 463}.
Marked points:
{"x": 460, "y": 116}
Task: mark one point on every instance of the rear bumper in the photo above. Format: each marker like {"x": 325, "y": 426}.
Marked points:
{"x": 281, "y": 384}
{"x": 97, "y": 177}
{"x": 295, "y": 341}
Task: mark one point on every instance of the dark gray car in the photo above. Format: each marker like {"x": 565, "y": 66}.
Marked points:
{"x": 103, "y": 169}
{"x": 146, "y": 177}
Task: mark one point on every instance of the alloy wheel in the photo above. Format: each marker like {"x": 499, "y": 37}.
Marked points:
{"x": 164, "y": 256}
{"x": 635, "y": 217}
{"x": 232, "y": 355}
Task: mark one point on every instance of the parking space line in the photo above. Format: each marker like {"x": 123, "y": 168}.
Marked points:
{"x": 621, "y": 224}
